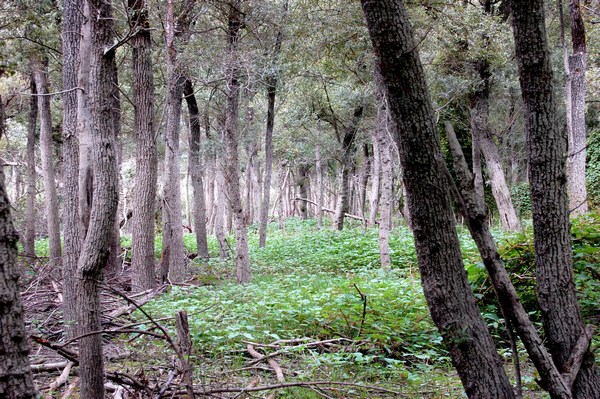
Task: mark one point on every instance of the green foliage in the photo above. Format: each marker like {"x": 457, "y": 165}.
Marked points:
{"x": 521, "y": 200}
{"x": 593, "y": 169}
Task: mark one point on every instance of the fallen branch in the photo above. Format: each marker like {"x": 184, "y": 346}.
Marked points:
{"x": 356, "y": 217}
{"x": 61, "y": 380}
{"x": 41, "y": 368}
{"x": 272, "y": 363}
{"x": 71, "y": 389}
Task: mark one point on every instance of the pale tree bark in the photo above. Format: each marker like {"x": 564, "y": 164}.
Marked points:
{"x": 575, "y": 67}
{"x": 196, "y": 169}
{"x": 319, "y": 193}
{"x": 346, "y": 161}
{"x": 173, "y": 231}
{"x": 30, "y": 216}
{"x": 302, "y": 182}
{"x": 546, "y": 143}
{"x": 94, "y": 254}
{"x": 482, "y": 137}
{"x": 375, "y": 179}
{"x": 444, "y": 280}
{"x": 146, "y": 160}
{"x": 282, "y": 179}
{"x": 363, "y": 180}
{"x": 40, "y": 72}
{"x": 231, "y": 169}
{"x": 16, "y": 380}
{"x": 220, "y": 214}
{"x": 271, "y": 93}
{"x": 72, "y": 19}
{"x": 476, "y": 156}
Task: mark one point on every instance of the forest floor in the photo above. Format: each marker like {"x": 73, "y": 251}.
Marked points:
{"x": 320, "y": 319}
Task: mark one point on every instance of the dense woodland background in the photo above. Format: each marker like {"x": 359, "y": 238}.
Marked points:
{"x": 262, "y": 166}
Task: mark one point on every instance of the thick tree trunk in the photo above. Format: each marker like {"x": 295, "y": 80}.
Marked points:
{"x": 94, "y": 253}
{"x": 347, "y": 158}
{"x": 232, "y": 178}
{"x": 16, "y": 381}
{"x": 30, "y": 214}
{"x": 548, "y": 184}
{"x": 451, "y": 301}
{"x": 72, "y": 19}
{"x": 40, "y": 72}
{"x": 196, "y": 169}
{"x": 146, "y": 160}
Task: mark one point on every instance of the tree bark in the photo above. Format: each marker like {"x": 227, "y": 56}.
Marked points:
{"x": 220, "y": 214}
{"x": 319, "y": 193}
{"x": 444, "y": 280}
{"x": 94, "y": 254}
{"x": 231, "y": 169}
{"x": 16, "y": 380}
{"x": 347, "y": 158}
{"x": 142, "y": 234}
{"x": 548, "y": 185}
{"x": 302, "y": 181}
{"x": 72, "y": 20}
{"x": 40, "y": 72}
{"x": 197, "y": 172}
{"x": 30, "y": 216}
{"x": 482, "y": 138}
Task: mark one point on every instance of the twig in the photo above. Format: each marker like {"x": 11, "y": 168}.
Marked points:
{"x": 363, "y": 298}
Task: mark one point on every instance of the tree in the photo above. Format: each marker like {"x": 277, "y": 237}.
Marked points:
{"x": 29, "y": 237}
{"x": 142, "y": 234}
{"x": 548, "y": 186}
{"x": 231, "y": 167}
{"x": 95, "y": 250}
{"x": 16, "y": 381}
{"x": 40, "y": 72}
{"x": 72, "y": 19}
{"x": 443, "y": 277}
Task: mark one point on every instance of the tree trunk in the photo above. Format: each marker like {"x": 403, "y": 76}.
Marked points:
{"x": 197, "y": 172}
{"x": 30, "y": 214}
{"x": 231, "y": 144}
{"x": 220, "y": 214}
{"x": 40, "y": 72}
{"x": 363, "y": 180}
{"x": 302, "y": 181}
{"x": 16, "y": 380}
{"x": 143, "y": 275}
{"x": 444, "y": 280}
{"x": 94, "y": 253}
{"x": 319, "y": 193}
{"x": 575, "y": 67}
{"x": 548, "y": 184}
{"x": 72, "y": 20}
{"x": 348, "y": 152}
{"x": 375, "y": 178}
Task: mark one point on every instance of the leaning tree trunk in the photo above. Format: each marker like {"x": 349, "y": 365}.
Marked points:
{"x": 348, "y": 153}
{"x": 482, "y": 138}
{"x": 16, "y": 380}
{"x": 562, "y": 320}
{"x": 142, "y": 234}
{"x": 30, "y": 214}
{"x": 72, "y": 19}
{"x": 94, "y": 253}
{"x": 196, "y": 171}
{"x": 232, "y": 177}
{"x": 445, "y": 285}
{"x": 40, "y": 72}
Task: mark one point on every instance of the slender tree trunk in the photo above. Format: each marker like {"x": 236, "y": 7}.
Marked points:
{"x": 476, "y": 156}
{"x": 94, "y": 255}
{"x": 548, "y": 184}
{"x": 30, "y": 217}
{"x": 197, "y": 172}
{"x": 363, "y": 180}
{"x": 244, "y": 274}
{"x": 142, "y": 234}
{"x": 16, "y": 380}
{"x": 320, "y": 189}
{"x": 282, "y": 186}
{"x": 40, "y": 73}
{"x": 220, "y": 215}
{"x": 348, "y": 152}
{"x": 484, "y": 142}
{"x": 302, "y": 182}
{"x": 72, "y": 20}
{"x": 375, "y": 178}
{"x": 445, "y": 285}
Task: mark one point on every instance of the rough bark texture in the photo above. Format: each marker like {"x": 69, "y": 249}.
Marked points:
{"x": 30, "y": 216}
{"x": 375, "y": 179}
{"x": 302, "y": 181}
{"x": 196, "y": 171}
{"x": 443, "y": 277}
{"x": 472, "y": 207}
{"x": 96, "y": 246}
{"x": 347, "y": 159}
{"x": 220, "y": 214}
{"x": 72, "y": 18}
{"x": 548, "y": 184}
{"x": 16, "y": 381}
{"x": 146, "y": 159}
{"x": 40, "y": 72}
{"x": 231, "y": 169}
{"x": 577, "y": 132}
{"x": 482, "y": 136}
{"x": 319, "y": 193}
